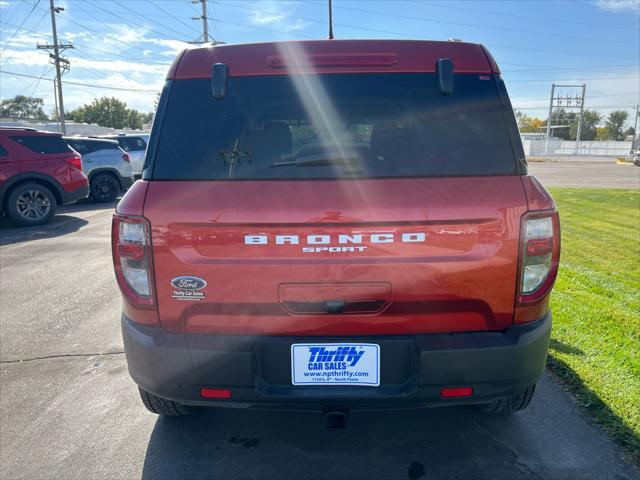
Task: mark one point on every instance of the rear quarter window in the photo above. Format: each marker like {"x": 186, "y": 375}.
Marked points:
{"x": 3, "y": 151}
{"x": 43, "y": 144}
{"x": 132, "y": 144}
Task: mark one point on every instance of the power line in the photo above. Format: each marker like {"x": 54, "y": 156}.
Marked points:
{"x": 487, "y": 27}
{"x": 104, "y": 87}
{"x": 35, "y": 5}
{"x": 170, "y": 15}
{"x": 18, "y": 28}
{"x": 68, "y": 82}
{"x": 546, "y": 80}
{"x": 110, "y": 52}
{"x": 120, "y": 17}
{"x": 408, "y": 35}
{"x": 523, "y": 16}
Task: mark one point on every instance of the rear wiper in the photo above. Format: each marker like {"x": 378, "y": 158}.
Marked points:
{"x": 319, "y": 159}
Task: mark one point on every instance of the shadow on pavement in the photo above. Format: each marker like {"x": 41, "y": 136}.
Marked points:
{"x": 88, "y": 205}
{"x": 11, "y": 232}
{"x": 234, "y": 443}
{"x": 591, "y": 403}
{"x": 62, "y": 223}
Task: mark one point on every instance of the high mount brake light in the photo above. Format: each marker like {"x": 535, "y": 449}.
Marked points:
{"x": 539, "y": 255}
{"x": 131, "y": 244}
{"x": 75, "y": 161}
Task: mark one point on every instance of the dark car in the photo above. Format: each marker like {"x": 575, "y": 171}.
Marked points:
{"x": 336, "y": 225}
{"x": 38, "y": 172}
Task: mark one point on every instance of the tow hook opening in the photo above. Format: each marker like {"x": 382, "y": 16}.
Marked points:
{"x": 335, "y": 418}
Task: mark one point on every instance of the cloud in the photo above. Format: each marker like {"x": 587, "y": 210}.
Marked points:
{"x": 276, "y": 15}
{"x": 4, "y": 4}
{"x": 617, "y": 6}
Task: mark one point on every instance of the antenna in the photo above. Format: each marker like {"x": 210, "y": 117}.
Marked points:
{"x": 330, "y": 21}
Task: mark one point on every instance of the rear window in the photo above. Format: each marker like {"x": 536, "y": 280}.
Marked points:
{"x": 43, "y": 144}
{"x": 131, "y": 144}
{"x": 84, "y": 147}
{"x": 333, "y": 126}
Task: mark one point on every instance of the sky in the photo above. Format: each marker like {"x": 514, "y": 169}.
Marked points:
{"x": 123, "y": 48}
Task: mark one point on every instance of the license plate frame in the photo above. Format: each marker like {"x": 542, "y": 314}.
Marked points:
{"x": 332, "y": 364}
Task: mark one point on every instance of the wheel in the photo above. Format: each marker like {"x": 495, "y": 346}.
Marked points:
{"x": 104, "y": 188}
{"x": 31, "y": 204}
{"x": 507, "y": 405}
{"x": 161, "y": 406}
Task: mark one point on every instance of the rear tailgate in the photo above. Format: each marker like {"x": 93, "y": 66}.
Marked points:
{"x": 351, "y": 257}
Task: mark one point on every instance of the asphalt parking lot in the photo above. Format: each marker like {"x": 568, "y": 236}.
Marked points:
{"x": 563, "y": 172}
{"x": 68, "y": 408}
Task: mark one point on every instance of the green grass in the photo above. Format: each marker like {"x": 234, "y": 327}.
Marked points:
{"x": 595, "y": 346}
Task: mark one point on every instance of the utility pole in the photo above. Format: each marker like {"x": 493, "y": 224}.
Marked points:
{"x": 62, "y": 64}
{"x": 546, "y": 142}
{"x": 330, "y": 20}
{"x": 205, "y": 20}
{"x": 636, "y": 135}
{"x": 584, "y": 88}
{"x": 565, "y": 102}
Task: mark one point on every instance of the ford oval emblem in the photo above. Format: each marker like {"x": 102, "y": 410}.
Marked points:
{"x": 188, "y": 283}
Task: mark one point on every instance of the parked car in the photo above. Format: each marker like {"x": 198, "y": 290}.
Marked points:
{"x": 336, "y": 225}
{"x": 106, "y": 164}
{"x": 135, "y": 145}
{"x": 38, "y": 172}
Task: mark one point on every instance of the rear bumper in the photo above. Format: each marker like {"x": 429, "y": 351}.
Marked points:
{"x": 74, "y": 195}
{"x": 413, "y": 369}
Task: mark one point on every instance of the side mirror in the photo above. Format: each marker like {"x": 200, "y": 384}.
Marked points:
{"x": 219, "y": 75}
{"x": 444, "y": 69}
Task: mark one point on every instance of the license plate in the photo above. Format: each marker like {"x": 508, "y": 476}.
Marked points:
{"x": 335, "y": 364}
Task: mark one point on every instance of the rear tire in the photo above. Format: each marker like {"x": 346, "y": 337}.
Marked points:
{"x": 104, "y": 188}
{"x": 31, "y": 204}
{"x": 160, "y": 406}
{"x": 507, "y": 405}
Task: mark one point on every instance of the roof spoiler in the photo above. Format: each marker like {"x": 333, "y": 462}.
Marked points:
{"x": 444, "y": 69}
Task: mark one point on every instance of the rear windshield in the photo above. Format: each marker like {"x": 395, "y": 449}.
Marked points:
{"x": 333, "y": 126}
{"x": 44, "y": 144}
{"x": 131, "y": 144}
{"x": 84, "y": 147}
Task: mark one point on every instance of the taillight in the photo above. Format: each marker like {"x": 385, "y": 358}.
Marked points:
{"x": 539, "y": 255}
{"x": 126, "y": 158}
{"x": 75, "y": 161}
{"x": 131, "y": 245}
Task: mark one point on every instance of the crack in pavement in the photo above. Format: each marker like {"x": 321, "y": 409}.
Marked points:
{"x": 62, "y": 355}
{"x": 523, "y": 467}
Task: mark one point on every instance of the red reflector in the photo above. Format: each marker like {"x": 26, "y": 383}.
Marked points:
{"x": 131, "y": 250}
{"x": 456, "y": 392}
{"x": 539, "y": 246}
{"x": 215, "y": 393}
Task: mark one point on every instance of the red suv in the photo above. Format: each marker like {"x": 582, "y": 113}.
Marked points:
{"x": 336, "y": 225}
{"x": 38, "y": 172}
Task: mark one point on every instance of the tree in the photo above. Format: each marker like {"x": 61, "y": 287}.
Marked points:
{"x": 630, "y": 131}
{"x": 108, "y": 112}
{"x": 590, "y": 120}
{"x": 528, "y": 124}
{"x": 614, "y": 124}
{"x": 23, "y": 107}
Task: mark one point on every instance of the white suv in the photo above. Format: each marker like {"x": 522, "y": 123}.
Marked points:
{"x": 106, "y": 164}
{"x": 135, "y": 145}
